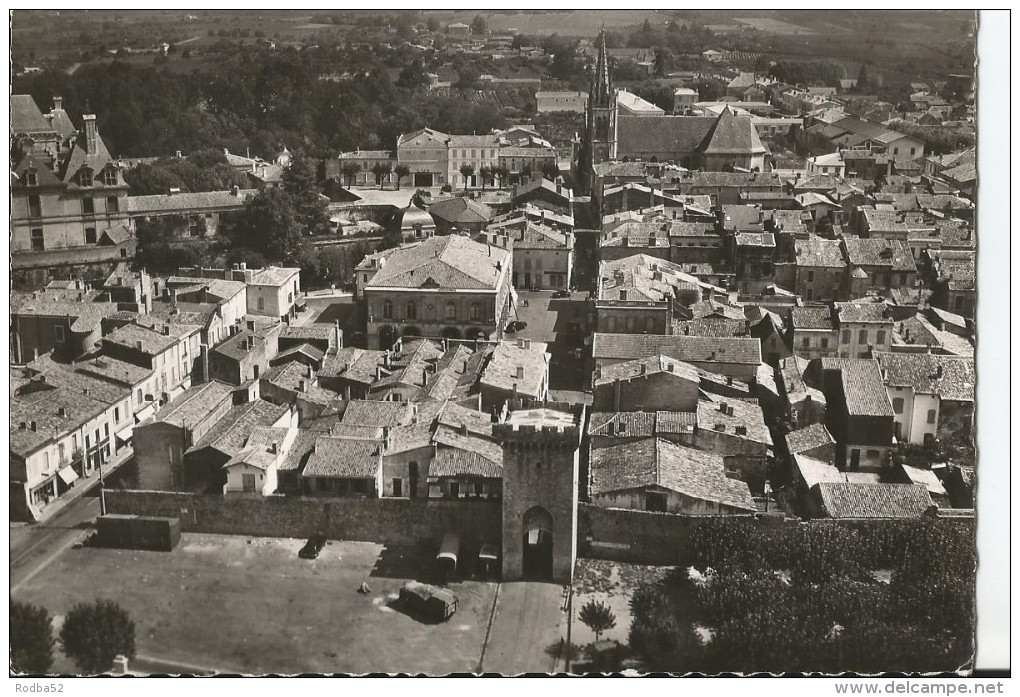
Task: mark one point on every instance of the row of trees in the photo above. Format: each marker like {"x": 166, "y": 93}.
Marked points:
{"x": 92, "y": 635}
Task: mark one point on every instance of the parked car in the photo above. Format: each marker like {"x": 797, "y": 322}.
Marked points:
{"x": 314, "y": 545}
{"x": 561, "y": 294}
{"x": 515, "y": 326}
{"x": 430, "y": 602}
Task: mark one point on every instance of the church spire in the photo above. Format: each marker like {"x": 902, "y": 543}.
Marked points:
{"x": 603, "y": 83}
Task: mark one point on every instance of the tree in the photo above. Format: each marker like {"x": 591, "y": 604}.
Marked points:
{"x": 402, "y": 171}
{"x": 501, "y": 173}
{"x": 350, "y": 171}
{"x": 478, "y": 25}
{"x": 598, "y": 617}
{"x": 31, "y": 638}
{"x": 485, "y": 174}
{"x": 467, "y": 171}
{"x": 310, "y": 209}
{"x": 526, "y": 172}
{"x": 381, "y": 170}
{"x": 432, "y": 24}
{"x": 95, "y": 633}
{"x": 663, "y": 61}
{"x": 413, "y": 76}
{"x": 550, "y": 170}
{"x": 862, "y": 77}
{"x": 269, "y": 226}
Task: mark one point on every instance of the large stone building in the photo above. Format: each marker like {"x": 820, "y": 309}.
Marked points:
{"x": 68, "y": 207}
{"x": 450, "y": 287}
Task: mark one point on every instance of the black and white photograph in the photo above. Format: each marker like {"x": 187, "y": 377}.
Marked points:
{"x": 502, "y": 342}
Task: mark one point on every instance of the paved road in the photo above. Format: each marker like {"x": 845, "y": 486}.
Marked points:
{"x": 35, "y": 546}
{"x": 527, "y": 627}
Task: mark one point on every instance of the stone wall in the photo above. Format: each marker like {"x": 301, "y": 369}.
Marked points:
{"x": 390, "y": 521}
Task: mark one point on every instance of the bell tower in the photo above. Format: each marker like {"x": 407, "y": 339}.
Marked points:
{"x": 598, "y": 142}
{"x": 540, "y": 477}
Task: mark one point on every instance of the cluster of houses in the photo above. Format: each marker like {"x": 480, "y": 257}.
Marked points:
{"x": 756, "y": 340}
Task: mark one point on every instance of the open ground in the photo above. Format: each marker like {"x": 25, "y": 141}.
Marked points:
{"x": 249, "y": 605}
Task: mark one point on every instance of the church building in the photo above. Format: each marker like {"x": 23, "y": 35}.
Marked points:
{"x": 726, "y": 142}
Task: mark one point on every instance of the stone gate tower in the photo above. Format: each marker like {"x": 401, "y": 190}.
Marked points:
{"x": 540, "y": 471}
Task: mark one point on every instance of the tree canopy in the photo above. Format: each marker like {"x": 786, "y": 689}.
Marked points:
{"x": 31, "y": 638}
{"x": 95, "y": 633}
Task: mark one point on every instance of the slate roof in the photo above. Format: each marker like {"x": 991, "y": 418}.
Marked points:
{"x": 808, "y": 438}
{"x": 655, "y": 462}
{"x": 693, "y": 349}
{"x": 460, "y": 209}
{"x": 950, "y": 377}
{"x": 812, "y": 318}
{"x": 26, "y": 117}
{"x": 451, "y": 261}
{"x": 860, "y": 500}
{"x": 732, "y": 134}
{"x": 343, "y": 458}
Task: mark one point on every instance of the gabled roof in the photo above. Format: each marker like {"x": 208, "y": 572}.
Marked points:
{"x": 808, "y": 438}
{"x": 861, "y": 500}
{"x": 864, "y": 392}
{"x": 646, "y": 366}
{"x": 344, "y": 458}
{"x": 460, "y": 209}
{"x": 422, "y": 136}
{"x": 812, "y": 317}
{"x": 819, "y": 252}
{"x": 698, "y": 474}
{"x": 43, "y": 175}
{"x": 80, "y": 157}
{"x": 950, "y": 377}
{"x": 814, "y": 471}
{"x": 693, "y": 349}
{"x": 746, "y": 415}
{"x": 879, "y": 252}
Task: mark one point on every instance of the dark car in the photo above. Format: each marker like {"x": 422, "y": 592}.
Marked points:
{"x": 561, "y": 294}
{"x": 515, "y": 326}
{"x": 312, "y": 548}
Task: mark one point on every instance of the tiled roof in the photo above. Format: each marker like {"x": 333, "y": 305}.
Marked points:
{"x": 540, "y": 237}
{"x": 655, "y": 462}
{"x": 195, "y": 404}
{"x": 460, "y": 209}
{"x": 219, "y": 288}
{"x": 372, "y": 413}
{"x": 502, "y": 371}
{"x": 273, "y": 275}
{"x": 638, "y": 134}
{"x": 812, "y": 318}
{"x": 808, "y": 438}
{"x": 629, "y": 424}
{"x": 342, "y": 457}
{"x": 859, "y": 500}
{"x": 455, "y": 462}
{"x": 304, "y": 332}
{"x": 712, "y": 326}
{"x": 693, "y": 349}
{"x": 957, "y": 268}
{"x": 180, "y": 202}
{"x": 746, "y": 415}
{"x": 236, "y": 347}
{"x": 231, "y": 432}
{"x": 879, "y": 252}
{"x": 144, "y": 339}
{"x": 732, "y": 134}
{"x": 290, "y": 376}
{"x": 354, "y": 364}
{"x": 298, "y": 452}
{"x": 755, "y": 239}
{"x": 638, "y": 367}
{"x": 456, "y": 416}
{"x": 863, "y": 389}
{"x": 449, "y": 261}
{"x": 949, "y": 377}
{"x": 862, "y": 312}
{"x": 114, "y": 370}
{"x": 489, "y": 450}
{"x": 918, "y": 330}
{"x": 292, "y": 353}
{"x": 814, "y": 471}
{"x": 86, "y": 316}
{"x": 55, "y": 411}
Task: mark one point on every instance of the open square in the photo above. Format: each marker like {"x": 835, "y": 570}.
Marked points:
{"x": 250, "y": 605}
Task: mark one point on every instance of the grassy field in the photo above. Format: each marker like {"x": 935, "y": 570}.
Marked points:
{"x": 574, "y": 23}
{"x": 250, "y": 605}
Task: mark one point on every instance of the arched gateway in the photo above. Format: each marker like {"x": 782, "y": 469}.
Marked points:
{"x": 540, "y": 472}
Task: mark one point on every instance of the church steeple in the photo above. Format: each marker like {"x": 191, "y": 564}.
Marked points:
{"x": 602, "y": 88}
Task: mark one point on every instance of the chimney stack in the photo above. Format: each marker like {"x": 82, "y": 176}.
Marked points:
{"x": 520, "y": 372}
{"x": 58, "y": 103}
{"x": 91, "y": 134}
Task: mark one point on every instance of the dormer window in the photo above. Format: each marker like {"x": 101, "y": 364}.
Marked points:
{"x": 85, "y": 177}
{"x": 31, "y": 179}
{"x": 110, "y": 177}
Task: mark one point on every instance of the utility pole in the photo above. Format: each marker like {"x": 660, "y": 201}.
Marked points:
{"x": 102, "y": 485}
